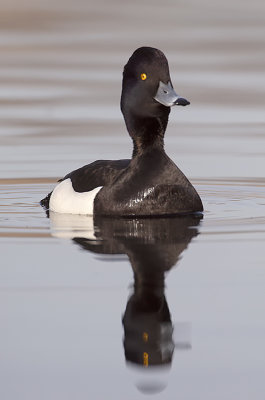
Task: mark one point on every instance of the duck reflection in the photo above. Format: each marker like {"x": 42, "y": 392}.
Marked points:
{"x": 153, "y": 247}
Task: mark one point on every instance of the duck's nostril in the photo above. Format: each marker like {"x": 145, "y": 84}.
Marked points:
{"x": 165, "y": 91}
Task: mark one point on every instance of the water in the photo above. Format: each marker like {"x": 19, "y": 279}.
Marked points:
{"x": 77, "y": 318}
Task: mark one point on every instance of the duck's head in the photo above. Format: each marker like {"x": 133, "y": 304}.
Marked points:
{"x": 147, "y": 90}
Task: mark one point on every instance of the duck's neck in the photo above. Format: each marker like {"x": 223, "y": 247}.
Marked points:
{"x": 147, "y": 133}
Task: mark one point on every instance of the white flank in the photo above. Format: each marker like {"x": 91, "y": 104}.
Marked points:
{"x": 65, "y": 200}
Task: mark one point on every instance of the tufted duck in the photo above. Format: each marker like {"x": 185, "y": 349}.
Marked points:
{"x": 149, "y": 184}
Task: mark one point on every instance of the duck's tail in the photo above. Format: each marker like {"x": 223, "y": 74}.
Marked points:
{"x": 46, "y": 201}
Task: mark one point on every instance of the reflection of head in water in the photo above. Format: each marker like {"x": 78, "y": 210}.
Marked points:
{"x": 153, "y": 246}
{"x": 147, "y": 323}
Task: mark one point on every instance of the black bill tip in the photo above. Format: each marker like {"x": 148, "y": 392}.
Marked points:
{"x": 181, "y": 102}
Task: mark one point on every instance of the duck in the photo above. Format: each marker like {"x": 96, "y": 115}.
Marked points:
{"x": 149, "y": 184}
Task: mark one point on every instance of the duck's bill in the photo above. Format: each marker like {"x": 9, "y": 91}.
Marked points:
{"x": 167, "y": 96}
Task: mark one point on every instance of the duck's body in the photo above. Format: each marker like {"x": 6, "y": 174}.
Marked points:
{"x": 150, "y": 183}
{"x": 161, "y": 190}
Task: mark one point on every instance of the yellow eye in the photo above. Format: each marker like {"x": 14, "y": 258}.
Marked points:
{"x": 145, "y": 359}
{"x": 145, "y": 337}
{"x": 143, "y": 77}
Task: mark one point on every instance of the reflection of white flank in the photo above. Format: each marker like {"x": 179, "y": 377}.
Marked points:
{"x": 69, "y": 226}
{"x": 141, "y": 196}
{"x": 65, "y": 200}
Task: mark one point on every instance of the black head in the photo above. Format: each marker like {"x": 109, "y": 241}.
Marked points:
{"x": 147, "y": 90}
{"x": 147, "y": 95}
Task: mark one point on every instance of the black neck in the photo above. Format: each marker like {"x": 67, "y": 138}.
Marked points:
{"x": 147, "y": 133}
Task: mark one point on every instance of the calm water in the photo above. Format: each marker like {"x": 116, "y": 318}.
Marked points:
{"x": 170, "y": 308}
